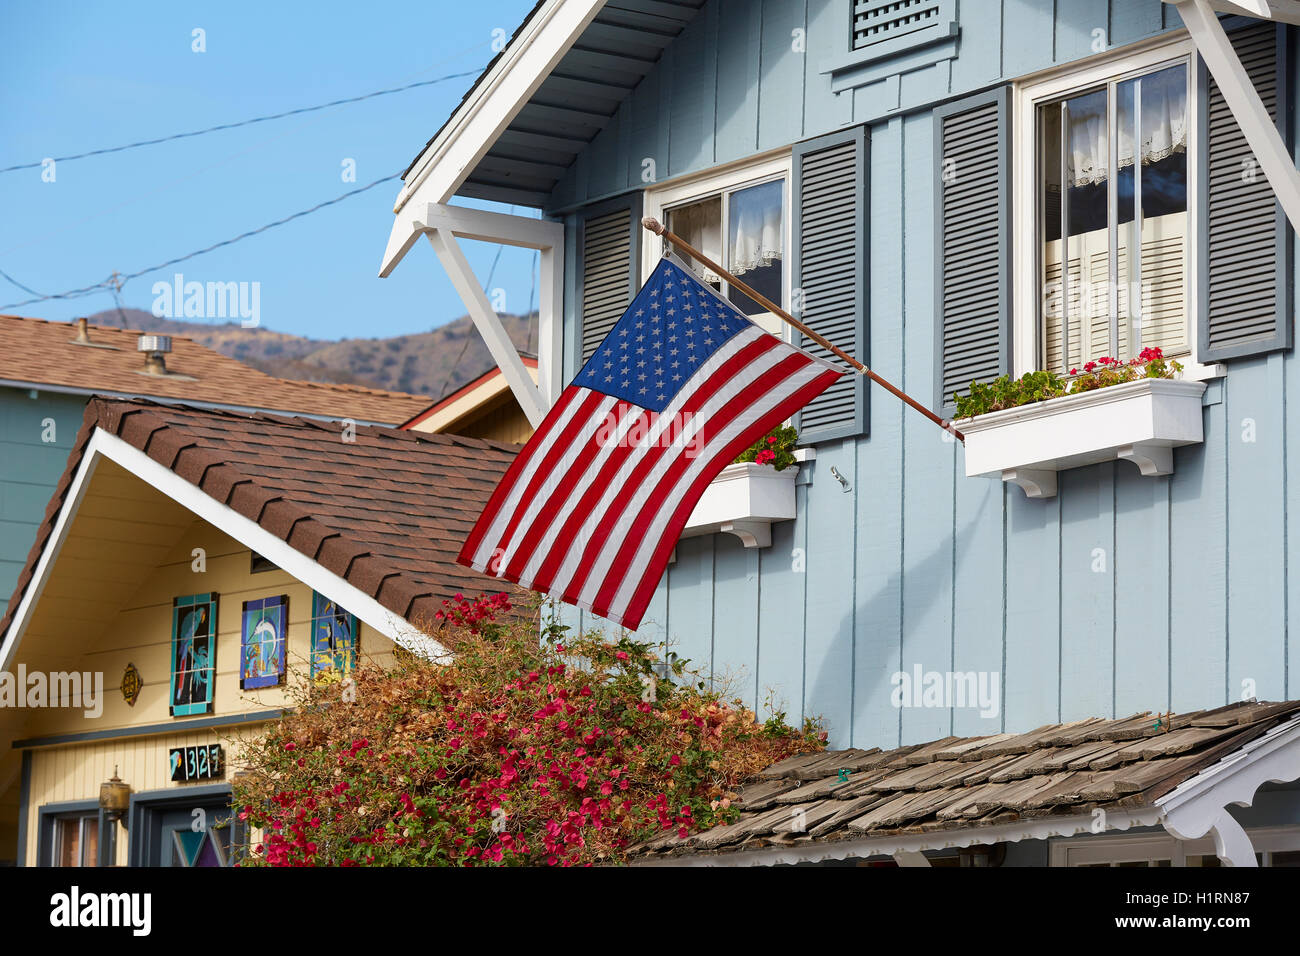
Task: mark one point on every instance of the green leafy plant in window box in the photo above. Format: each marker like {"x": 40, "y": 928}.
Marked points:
{"x": 776, "y": 448}
{"x": 1004, "y": 392}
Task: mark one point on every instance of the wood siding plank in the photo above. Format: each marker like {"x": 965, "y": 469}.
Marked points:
{"x": 781, "y": 75}
{"x": 928, "y": 478}
{"x": 783, "y": 581}
{"x": 1087, "y": 591}
{"x": 878, "y": 588}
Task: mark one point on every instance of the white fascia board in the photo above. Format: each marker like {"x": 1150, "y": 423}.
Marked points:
{"x": 475, "y": 126}
{"x": 1041, "y": 828}
{"x": 71, "y": 503}
{"x": 102, "y": 444}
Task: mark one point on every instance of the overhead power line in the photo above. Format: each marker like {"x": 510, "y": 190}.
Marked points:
{"x": 116, "y": 280}
{"x": 14, "y": 281}
{"x": 247, "y": 122}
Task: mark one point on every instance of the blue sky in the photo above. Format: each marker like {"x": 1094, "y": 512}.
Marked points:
{"x": 81, "y": 76}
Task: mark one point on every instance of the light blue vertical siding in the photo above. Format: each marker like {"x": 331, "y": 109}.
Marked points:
{"x": 30, "y": 468}
{"x": 1121, "y": 594}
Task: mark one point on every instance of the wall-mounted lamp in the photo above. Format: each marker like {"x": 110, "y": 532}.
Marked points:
{"x": 114, "y": 798}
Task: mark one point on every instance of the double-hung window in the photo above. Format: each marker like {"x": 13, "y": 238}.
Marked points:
{"x": 1105, "y": 189}
{"x": 739, "y": 218}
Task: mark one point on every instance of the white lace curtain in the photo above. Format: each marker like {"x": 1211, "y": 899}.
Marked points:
{"x": 700, "y": 224}
{"x": 1164, "y": 129}
{"x": 755, "y": 234}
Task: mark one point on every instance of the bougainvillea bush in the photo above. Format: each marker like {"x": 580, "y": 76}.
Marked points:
{"x": 1005, "y": 392}
{"x": 554, "y": 750}
{"x": 776, "y": 448}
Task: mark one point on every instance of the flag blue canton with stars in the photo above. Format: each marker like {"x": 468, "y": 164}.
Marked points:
{"x": 672, "y": 326}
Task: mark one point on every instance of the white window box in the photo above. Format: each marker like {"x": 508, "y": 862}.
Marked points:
{"x": 1140, "y": 421}
{"x": 744, "y": 500}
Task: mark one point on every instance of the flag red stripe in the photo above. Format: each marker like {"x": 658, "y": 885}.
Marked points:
{"x": 550, "y": 464}
{"x": 502, "y": 492}
{"x": 551, "y": 510}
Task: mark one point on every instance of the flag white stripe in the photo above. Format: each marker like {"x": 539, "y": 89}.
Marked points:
{"x": 488, "y": 543}
{"x": 557, "y": 477}
{"x": 669, "y": 502}
{"x": 622, "y": 526}
{"x": 577, "y": 545}
{"x": 576, "y": 489}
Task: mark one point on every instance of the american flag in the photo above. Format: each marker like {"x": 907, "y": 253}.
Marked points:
{"x": 590, "y": 510}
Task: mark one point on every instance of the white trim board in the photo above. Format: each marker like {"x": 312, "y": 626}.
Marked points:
{"x": 244, "y": 530}
{"x": 501, "y": 93}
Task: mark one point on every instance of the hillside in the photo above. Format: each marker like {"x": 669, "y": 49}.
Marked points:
{"x": 426, "y": 363}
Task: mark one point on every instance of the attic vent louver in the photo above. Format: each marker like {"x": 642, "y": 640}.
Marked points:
{"x": 885, "y": 27}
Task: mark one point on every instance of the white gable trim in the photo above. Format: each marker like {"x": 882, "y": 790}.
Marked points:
{"x": 1199, "y": 805}
{"x": 500, "y": 95}
{"x": 71, "y": 504}
{"x": 244, "y": 530}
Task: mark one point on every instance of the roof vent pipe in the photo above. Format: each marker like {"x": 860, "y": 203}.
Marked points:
{"x": 83, "y": 331}
{"x": 155, "y": 348}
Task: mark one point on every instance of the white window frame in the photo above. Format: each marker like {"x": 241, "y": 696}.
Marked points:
{"x": 1055, "y": 85}
{"x": 1123, "y": 848}
{"x": 728, "y": 178}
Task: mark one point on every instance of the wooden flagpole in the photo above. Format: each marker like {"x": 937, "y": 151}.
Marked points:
{"x": 653, "y": 225}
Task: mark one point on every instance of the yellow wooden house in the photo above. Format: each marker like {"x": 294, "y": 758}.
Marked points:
{"x": 194, "y": 564}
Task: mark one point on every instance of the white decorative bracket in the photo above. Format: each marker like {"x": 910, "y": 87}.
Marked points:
{"x": 1152, "y": 460}
{"x": 1035, "y": 482}
{"x": 752, "y": 534}
{"x": 1199, "y": 805}
{"x": 444, "y": 225}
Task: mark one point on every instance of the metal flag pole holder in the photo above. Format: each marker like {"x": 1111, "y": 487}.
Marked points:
{"x": 654, "y": 226}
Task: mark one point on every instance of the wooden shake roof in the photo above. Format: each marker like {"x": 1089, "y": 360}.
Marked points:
{"x": 964, "y": 782}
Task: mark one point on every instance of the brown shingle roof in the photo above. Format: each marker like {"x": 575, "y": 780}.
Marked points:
{"x": 42, "y": 353}
{"x": 388, "y": 511}
{"x": 961, "y": 782}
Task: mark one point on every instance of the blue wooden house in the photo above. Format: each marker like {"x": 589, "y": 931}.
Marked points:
{"x": 950, "y": 190}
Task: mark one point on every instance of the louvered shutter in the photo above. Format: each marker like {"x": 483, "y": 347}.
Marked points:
{"x": 607, "y": 274}
{"x": 972, "y": 242}
{"x": 829, "y": 269}
{"x": 1245, "y": 247}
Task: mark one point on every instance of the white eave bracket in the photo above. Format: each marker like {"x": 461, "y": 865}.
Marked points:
{"x": 1239, "y": 93}
{"x": 1199, "y": 805}
{"x": 443, "y": 225}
